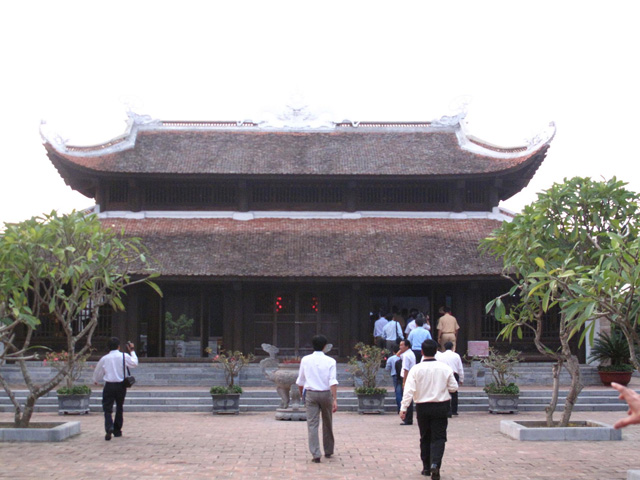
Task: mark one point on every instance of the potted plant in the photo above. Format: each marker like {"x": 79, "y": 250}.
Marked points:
{"x": 72, "y": 399}
{"x": 612, "y": 351}
{"x": 226, "y": 399}
{"x": 176, "y": 332}
{"x": 502, "y": 392}
{"x": 364, "y": 367}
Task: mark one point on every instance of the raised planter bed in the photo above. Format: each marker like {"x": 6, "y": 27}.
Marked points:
{"x": 39, "y": 432}
{"x": 537, "y": 431}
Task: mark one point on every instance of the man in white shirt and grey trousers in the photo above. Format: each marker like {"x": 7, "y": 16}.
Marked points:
{"x": 111, "y": 370}
{"x": 428, "y": 384}
{"x": 317, "y": 379}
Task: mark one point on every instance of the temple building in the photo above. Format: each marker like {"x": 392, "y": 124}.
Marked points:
{"x": 273, "y": 232}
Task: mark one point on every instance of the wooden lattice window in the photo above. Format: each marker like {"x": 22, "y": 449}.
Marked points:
{"x": 297, "y": 194}
{"x": 476, "y": 193}
{"x": 402, "y": 194}
{"x": 118, "y": 192}
{"x": 168, "y": 196}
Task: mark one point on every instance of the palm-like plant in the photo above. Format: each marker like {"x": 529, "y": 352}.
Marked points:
{"x": 613, "y": 350}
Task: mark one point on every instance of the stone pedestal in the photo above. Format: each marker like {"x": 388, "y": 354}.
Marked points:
{"x": 292, "y": 413}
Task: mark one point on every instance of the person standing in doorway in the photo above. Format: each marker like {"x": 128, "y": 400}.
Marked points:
{"x": 111, "y": 369}
{"x": 417, "y": 336}
{"x": 429, "y": 384}
{"x": 448, "y": 328}
{"x": 378, "y": 328}
{"x": 392, "y": 332}
{"x": 319, "y": 387}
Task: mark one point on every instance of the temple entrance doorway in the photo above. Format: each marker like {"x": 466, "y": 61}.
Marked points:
{"x": 289, "y": 317}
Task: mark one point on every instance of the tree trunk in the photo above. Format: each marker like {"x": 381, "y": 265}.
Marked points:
{"x": 22, "y": 421}
{"x": 551, "y": 408}
{"x": 573, "y": 367}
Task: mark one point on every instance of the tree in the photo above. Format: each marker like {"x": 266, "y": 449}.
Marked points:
{"x": 555, "y": 252}
{"x": 59, "y": 267}
{"x": 177, "y": 330}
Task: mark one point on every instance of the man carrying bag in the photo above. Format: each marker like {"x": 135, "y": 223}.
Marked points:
{"x": 113, "y": 370}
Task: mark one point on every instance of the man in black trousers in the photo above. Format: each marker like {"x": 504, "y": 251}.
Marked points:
{"x": 429, "y": 384}
{"x": 112, "y": 370}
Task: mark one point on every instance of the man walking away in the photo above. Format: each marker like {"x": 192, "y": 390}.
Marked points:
{"x": 452, "y": 359}
{"x": 408, "y": 362}
{"x": 378, "y": 327}
{"x": 392, "y": 332}
{"x": 390, "y": 367}
{"x": 417, "y": 336}
{"x": 448, "y": 328}
{"x": 428, "y": 384}
{"x": 111, "y": 370}
{"x": 319, "y": 387}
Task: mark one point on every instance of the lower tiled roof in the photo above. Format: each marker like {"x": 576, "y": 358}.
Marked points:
{"x": 315, "y": 248}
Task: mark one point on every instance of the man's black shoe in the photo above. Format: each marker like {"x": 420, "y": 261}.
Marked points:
{"x": 316, "y": 460}
{"x": 425, "y": 472}
{"x": 107, "y": 437}
{"x": 328, "y": 455}
{"x": 435, "y": 472}
{"x": 117, "y": 434}
{"x": 403, "y": 423}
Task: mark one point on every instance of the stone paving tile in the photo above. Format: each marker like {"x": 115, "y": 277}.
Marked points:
{"x": 255, "y": 445}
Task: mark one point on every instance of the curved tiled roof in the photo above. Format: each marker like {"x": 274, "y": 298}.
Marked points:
{"x": 315, "y": 248}
{"x": 218, "y": 149}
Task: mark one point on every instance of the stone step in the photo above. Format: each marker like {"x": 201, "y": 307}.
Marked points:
{"x": 198, "y": 374}
{"x": 267, "y": 400}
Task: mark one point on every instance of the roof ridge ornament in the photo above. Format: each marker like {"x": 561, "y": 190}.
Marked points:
{"x": 297, "y": 117}
{"x": 137, "y": 119}
{"x": 48, "y": 135}
{"x": 542, "y": 137}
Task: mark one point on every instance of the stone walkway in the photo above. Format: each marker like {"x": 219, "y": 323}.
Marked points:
{"x": 254, "y": 445}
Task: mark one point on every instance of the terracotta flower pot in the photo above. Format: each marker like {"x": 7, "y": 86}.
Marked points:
{"x": 623, "y": 378}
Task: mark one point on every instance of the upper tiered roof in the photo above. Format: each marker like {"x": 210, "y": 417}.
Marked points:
{"x": 438, "y": 149}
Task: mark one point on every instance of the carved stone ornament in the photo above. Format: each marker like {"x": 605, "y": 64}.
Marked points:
{"x": 297, "y": 117}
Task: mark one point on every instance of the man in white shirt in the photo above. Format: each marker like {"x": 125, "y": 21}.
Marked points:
{"x": 408, "y": 361}
{"x": 378, "y": 328}
{"x": 452, "y": 359}
{"x": 112, "y": 370}
{"x": 428, "y": 384}
{"x": 392, "y": 333}
{"x": 319, "y": 387}
{"x": 411, "y": 321}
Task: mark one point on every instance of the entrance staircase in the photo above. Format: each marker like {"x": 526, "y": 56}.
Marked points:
{"x": 142, "y": 399}
{"x": 184, "y": 387}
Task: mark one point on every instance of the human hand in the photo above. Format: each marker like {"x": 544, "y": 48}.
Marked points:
{"x": 335, "y": 405}
{"x": 403, "y": 415}
{"x": 633, "y": 400}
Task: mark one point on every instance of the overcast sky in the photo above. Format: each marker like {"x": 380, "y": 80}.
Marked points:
{"x": 519, "y": 65}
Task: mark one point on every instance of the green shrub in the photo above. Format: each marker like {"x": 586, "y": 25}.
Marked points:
{"x": 74, "y": 390}
{"x": 508, "y": 389}
{"x": 221, "y": 390}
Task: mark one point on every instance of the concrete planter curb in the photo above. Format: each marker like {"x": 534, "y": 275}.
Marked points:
{"x": 531, "y": 431}
{"x": 56, "y": 432}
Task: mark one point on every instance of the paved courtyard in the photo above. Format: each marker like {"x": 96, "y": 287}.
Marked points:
{"x": 254, "y": 445}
